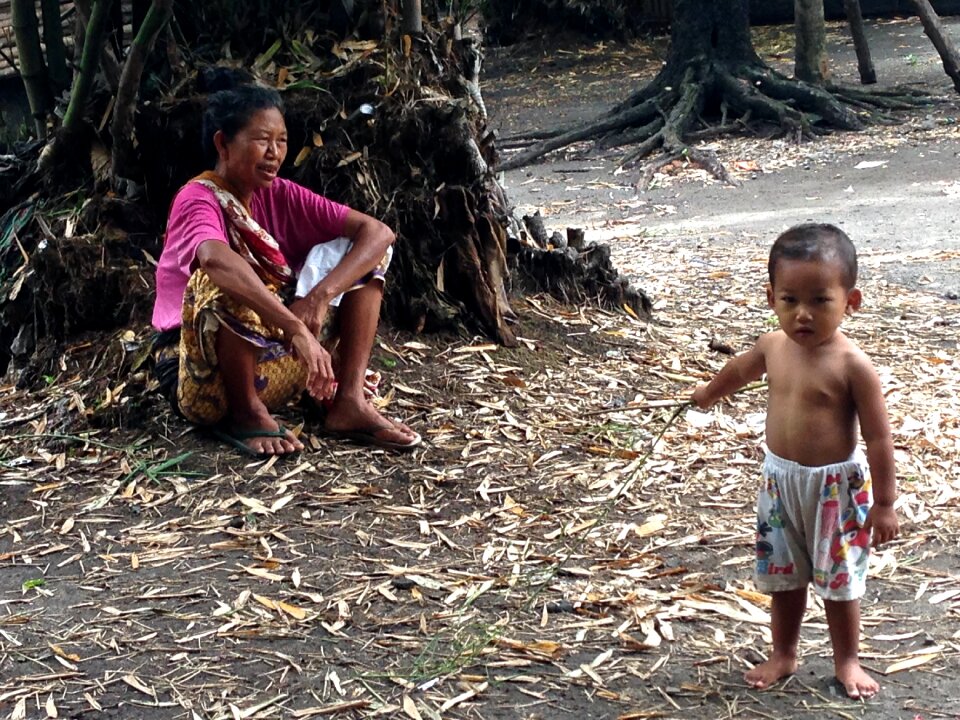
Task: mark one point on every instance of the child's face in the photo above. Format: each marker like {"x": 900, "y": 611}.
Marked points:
{"x": 810, "y": 299}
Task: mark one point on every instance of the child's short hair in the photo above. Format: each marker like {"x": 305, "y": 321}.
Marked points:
{"x": 816, "y": 241}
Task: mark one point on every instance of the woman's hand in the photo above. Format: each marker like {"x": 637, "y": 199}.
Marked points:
{"x": 320, "y": 378}
{"x": 300, "y": 323}
{"x": 311, "y": 312}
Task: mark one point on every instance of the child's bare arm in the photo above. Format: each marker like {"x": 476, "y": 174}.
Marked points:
{"x": 743, "y": 369}
{"x": 875, "y": 427}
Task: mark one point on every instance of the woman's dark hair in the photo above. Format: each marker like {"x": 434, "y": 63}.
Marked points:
{"x": 816, "y": 241}
{"x": 230, "y": 110}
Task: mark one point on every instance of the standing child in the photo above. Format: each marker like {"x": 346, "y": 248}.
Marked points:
{"x": 816, "y": 508}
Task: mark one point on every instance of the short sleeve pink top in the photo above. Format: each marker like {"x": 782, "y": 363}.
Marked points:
{"x": 296, "y": 217}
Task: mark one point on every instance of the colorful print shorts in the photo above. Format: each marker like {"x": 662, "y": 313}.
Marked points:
{"x": 810, "y": 527}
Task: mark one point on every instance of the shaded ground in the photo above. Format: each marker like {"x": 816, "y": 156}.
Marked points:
{"x": 530, "y": 561}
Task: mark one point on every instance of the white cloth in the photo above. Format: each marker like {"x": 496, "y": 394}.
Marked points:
{"x": 323, "y": 258}
{"x": 320, "y": 261}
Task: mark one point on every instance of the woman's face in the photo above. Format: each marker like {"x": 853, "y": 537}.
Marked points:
{"x": 252, "y": 158}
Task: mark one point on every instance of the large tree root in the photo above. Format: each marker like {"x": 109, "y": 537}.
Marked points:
{"x": 669, "y": 114}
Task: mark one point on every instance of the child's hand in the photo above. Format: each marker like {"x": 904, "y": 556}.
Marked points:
{"x": 700, "y": 397}
{"x": 882, "y": 519}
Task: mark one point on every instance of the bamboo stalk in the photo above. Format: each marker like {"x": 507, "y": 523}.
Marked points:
{"x": 56, "y": 50}
{"x": 123, "y": 112}
{"x": 140, "y": 10}
{"x": 108, "y": 61}
{"x": 32, "y": 68}
{"x": 83, "y": 82}
{"x": 412, "y": 17}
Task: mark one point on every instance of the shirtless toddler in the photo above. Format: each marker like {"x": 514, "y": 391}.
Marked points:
{"x": 817, "y": 507}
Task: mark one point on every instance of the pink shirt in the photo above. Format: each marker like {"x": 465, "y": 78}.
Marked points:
{"x": 296, "y": 217}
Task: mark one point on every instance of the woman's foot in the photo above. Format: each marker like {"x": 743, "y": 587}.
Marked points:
{"x": 249, "y": 425}
{"x": 247, "y": 429}
{"x": 360, "y": 421}
{"x": 767, "y": 673}
{"x": 856, "y": 681}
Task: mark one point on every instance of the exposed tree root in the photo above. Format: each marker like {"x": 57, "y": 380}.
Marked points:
{"x": 901, "y": 99}
{"x": 588, "y": 131}
{"x": 680, "y": 108}
{"x": 631, "y": 136}
{"x": 577, "y": 276}
{"x": 528, "y": 137}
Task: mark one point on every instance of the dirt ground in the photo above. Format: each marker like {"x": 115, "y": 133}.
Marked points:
{"x": 546, "y": 554}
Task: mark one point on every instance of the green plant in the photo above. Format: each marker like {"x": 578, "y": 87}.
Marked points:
{"x": 155, "y": 470}
{"x": 32, "y": 68}
{"x": 12, "y": 131}
{"x": 445, "y": 655}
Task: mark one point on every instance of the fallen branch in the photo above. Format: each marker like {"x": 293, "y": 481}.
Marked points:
{"x": 940, "y": 39}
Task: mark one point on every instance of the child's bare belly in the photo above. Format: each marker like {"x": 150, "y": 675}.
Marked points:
{"x": 814, "y": 438}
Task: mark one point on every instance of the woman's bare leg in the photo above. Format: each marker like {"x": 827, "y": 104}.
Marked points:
{"x": 238, "y": 365}
{"x": 358, "y": 316}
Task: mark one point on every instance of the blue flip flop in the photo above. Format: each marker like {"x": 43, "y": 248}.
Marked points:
{"x": 236, "y": 439}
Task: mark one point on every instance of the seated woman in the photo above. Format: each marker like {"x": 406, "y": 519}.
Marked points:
{"x": 236, "y": 239}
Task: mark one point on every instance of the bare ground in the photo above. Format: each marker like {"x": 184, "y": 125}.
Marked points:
{"x": 531, "y": 561}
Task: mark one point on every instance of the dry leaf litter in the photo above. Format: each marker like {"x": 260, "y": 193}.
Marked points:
{"x": 531, "y": 553}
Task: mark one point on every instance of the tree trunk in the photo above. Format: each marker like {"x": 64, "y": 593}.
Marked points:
{"x": 412, "y": 17}
{"x": 56, "y": 51}
{"x": 811, "y": 34}
{"x": 941, "y": 40}
{"x": 868, "y": 75}
{"x": 121, "y": 130}
{"x": 719, "y": 30}
{"x": 32, "y": 69}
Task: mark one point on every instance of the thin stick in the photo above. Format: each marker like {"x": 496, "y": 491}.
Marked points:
{"x": 606, "y": 508}
{"x": 656, "y": 404}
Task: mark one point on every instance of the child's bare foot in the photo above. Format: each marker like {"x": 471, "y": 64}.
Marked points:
{"x": 767, "y": 673}
{"x": 856, "y": 681}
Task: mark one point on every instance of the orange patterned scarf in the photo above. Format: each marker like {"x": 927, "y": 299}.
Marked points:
{"x": 247, "y": 238}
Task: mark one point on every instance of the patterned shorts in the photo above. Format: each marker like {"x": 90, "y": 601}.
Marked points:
{"x": 810, "y": 527}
